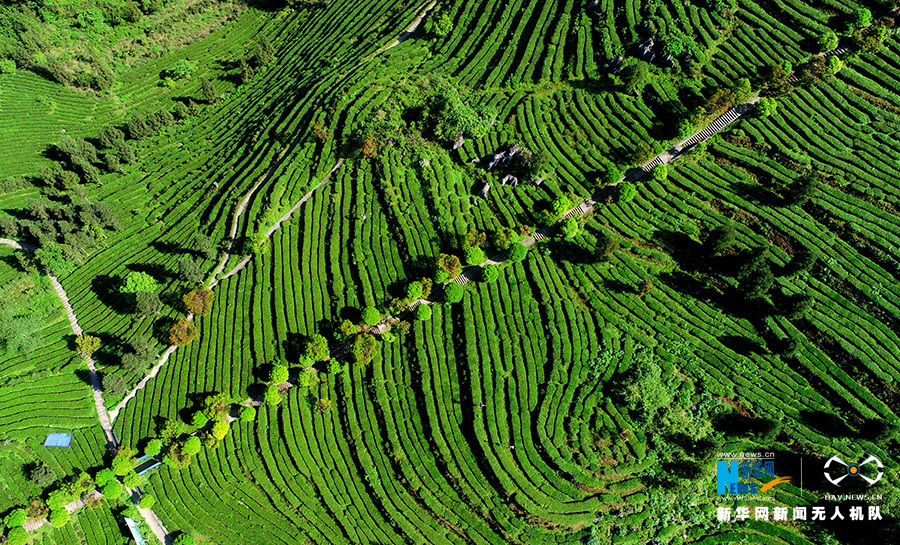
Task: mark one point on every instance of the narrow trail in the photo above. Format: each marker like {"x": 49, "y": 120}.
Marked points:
{"x": 105, "y": 423}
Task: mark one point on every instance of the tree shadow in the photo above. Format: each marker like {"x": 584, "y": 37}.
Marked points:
{"x": 825, "y": 423}
{"x": 153, "y": 269}
{"x": 107, "y": 289}
{"x": 291, "y": 347}
{"x": 618, "y": 286}
{"x": 757, "y": 194}
{"x": 168, "y": 247}
{"x": 741, "y": 345}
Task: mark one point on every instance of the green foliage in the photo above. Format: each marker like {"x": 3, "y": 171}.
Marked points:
{"x": 220, "y": 428}
{"x": 183, "y": 69}
{"x": 272, "y": 396}
{"x": 861, "y": 17}
{"x": 439, "y": 26}
{"x": 104, "y": 476}
{"x": 184, "y": 539}
{"x": 610, "y": 176}
{"x": 517, "y": 253}
{"x": 490, "y": 273}
{"x": 719, "y": 239}
{"x": 828, "y": 41}
{"x": 456, "y": 115}
{"x": 199, "y": 419}
{"x": 279, "y": 374}
{"x": 414, "y": 291}
{"x": 450, "y": 265}
{"x": 42, "y": 475}
{"x": 17, "y": 536}
{"x": 423, "y": 312}
{"x": 317, "y": 347}
{"x": 59, "y": 517}
{"x": 569, "y": 228}
{"x": 248, "y": 414}
{"x": 474, "y": 256}
{"x": 189, "y": 270}
{"x": 192, "y": 445}
{"x": 627, "y": 192}
{"x": 138, "y": 281}
{"x": 15, "y": 518}
{"x": 113, "y": 491}
{"x": 182, "y": 332}
{"x": 147, "y": 501}
{"x": 217, "y": 406}
{"x": 57, "y": 258}
{"x": 364, "y": 348}
{"x": 133, "y": 480}
{"x": 766, "y": 106}
{"x": 660, "y": 173}
{"x": 87, "y": 344}
{"x": 685, "y": 129}
{"x": 635, "y": 77}
{"x": 114, "y": 385}
{"x": 371, "y": 316}
{"x": 453, "y": 293}
{"x": 147, "y": 303}
{"x": 307, "y": 378}
{"x": 7, "y": 66}
{"x": 154, "y": 447}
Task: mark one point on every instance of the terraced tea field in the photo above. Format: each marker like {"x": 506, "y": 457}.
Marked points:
{"x": 738, "y": 293}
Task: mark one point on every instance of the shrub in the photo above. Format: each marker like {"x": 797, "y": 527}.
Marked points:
{"x": 42, "y": 475}
{"x": 147, "y": 501}
{"x": 113, "y": 490}
{"x": 371, "y": 316}
{"x": 138, "y": 281}
{"x": 133, "y": 480}
{"x": 7, "y": 66}
{"x": 518, "y": 252}
{"x": 248, "y": 414}
{"x": 414, "y": 291}
{"x": 490, "y": 273}
{"x": 423, "y": 312}
{"x": 828, "y": 41}
{"x": 189, "y": 271}
{"x": 450, "y": 265}
{"x": 474, "y": 256}
{"x": 192, "y": 446}
{"x": 17, "y": 536}
{"x": 59, "y": 517}
{"x": 323, "y": 405}
{"x": 861, "y": 17}
{"x": 766, "y": 106}
{"x": 87, "y": 344}
{"x": 199, "y": 419}
{"x": 569, "y": 228}
{"x": 627, "y": 192}
{"x": 660, "y": 173}
{"x": 184, "y": 539}
{"x": 220, "y": 429}
{"x": 272, "y": 396}
{"x": 182, "y": 332}
{"x": 154, "y": 447}
{"x": 114, "y": 385}
{"x": 453, "y": 293}
{"x": 15, "y": 518}
{"x": 199, "y": 301}
{"x": 103, "y": 477}
{"x": 279, "y": 374}
{"x": 364, "y": 348}
{"x": 317, "y": 348}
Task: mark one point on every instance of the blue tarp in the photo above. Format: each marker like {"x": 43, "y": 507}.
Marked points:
{"x": 58, "y": 440}
{"x": 135, "y": 533}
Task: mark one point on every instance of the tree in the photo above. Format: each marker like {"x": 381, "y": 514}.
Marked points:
{"x": 15, "y": 518}
{"x": 659, "y": 172}
{"x": 607, "y": 245}
{"x": 184, "y": 539}
{"x": 153, "y": 448}
{"x": 147, "y": 501}
{"x": 114, "y": 385}
{"x": 42, "y": 475}
{"x": 279, "y": 374}
{"x": 861, "y": 18}
{"x": 307, "y": 378}
{"x": 645, "y": 287}
{"x": 348, "y": 329}
{"x": 147, "y": 303}
{"x": 833, "y": 67}
{"x": 183, "y": 69}
{"x": 123, "y": 463}
{"x": 113, "y": 490}
{"x": 208, "y": 90}
{"x": 414, "y": 291}
{"x": 627, "y": 192}
{"x": 17, "y": 536}
{"x": 474, "y": 256}
{"x": 7, "y": 66}
{"x": 490, "y": 273}
{"x": 189, "y": 271}
{"x": 611, "y": 175}
{"x": 220, "y": 429}
{"x": 248, "y": 414}
{"x": 104, "y": 476}
{"x": 453, "y": 293}
{"x": 759, "y": 282}
{"x": 475, "y": 238}
{"x": 272, "y": 396}
{"x": 59, "y": 517}
{"x": 828, "y": 41}
{"x": 323, "y": 405}
{"x": 371, "y": 316}
{"x": 569, "y": 228}
{"x": 369, "y": 147}
{"x": 199, "y": 301}
{"x": 518, "y": 252}
{"x": 766, "y": 107}
{"x": 804, "y": 260}
{"x": 555, "y": 210}
{"x": 133, "y": 480}
{"x": 364, "y": 348}
{"x": 317, "y": 346}
{"x": 192, "y": 446}
{"x": 719, "y": 239}
{"x": 450, "y": 264}
{"x": 798, "y": 306}
{"x": 204, "y": 246}
{"x": 199, "y": 419}
{"x": 685, "y": 129}
{"x": 138, "y": 281}
{"x": 634, "y": 77}
{"x": 423, "y": 312}
{"x": 439, "y": 26}
{"x": 217, "y": 406}
{"x": 804, "y": 189}
{"x": 182, "y": 332}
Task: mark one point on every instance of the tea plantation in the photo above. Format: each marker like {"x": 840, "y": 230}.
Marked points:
{"x": 333, "y": 271}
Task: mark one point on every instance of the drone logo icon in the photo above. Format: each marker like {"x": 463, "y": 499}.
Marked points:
{"x": 854, "y": 470}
